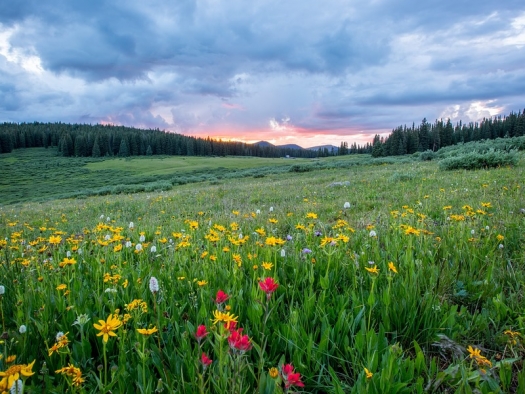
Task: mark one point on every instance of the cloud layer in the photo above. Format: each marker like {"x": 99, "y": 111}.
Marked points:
{"x": 297, "y": 71}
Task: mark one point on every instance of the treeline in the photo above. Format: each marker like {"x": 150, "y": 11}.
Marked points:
{"x": 82, "y": 140}
{"x": 407, "y": 140}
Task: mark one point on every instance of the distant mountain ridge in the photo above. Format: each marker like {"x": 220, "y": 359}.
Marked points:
{"x": 263, "y": 144}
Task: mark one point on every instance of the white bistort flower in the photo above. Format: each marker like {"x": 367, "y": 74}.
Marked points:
{"x": 373, "y": 233}
{"x": 153, "y": 249}
{"x": 17, "y": 387}
{"x": 22, "y": 329}
{"x": 138, "y": 247}
{"x": 131, "y": 225}
{"x": 142, "y": 238}
{"x": 2, "y": 290}
{"x": 346, "y": 205}
{"x": 153, "y": 285}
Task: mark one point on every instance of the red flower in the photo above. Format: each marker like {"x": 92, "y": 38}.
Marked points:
{"x": 268, "y": 285}
{"x": 290, "y": 377}
{"x": 238, "y": 341}
{"x": 233, "y": 326}
{"x": 201, "y": 333}
{"x": 221, "y": 297}
{"x": 294, "y": 379}
{"x": 205, "y": 360}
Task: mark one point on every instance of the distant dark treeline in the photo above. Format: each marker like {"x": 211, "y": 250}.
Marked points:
{"x": 407, "y": 140}
{"x": 82, "y": 140}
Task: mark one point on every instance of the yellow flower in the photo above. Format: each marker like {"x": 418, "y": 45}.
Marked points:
{"x": 261, "y": 232}
{"x": 61, "y": 287}
{"x": 55, "y": 239}
{"x": 500, "y": 237}
{"x": 392, "y": 267}
{"x": 10, "y": 359}
{"x": 267, "y": 266}
{"x": 473, "y": 352}
{"x": 147, "y": 331}
{"x": 274, "y": 372}
{"x": 311, "y": 215}
{"x": 373, "y": 270}
{"x": 368, "y": 374}
{"x": 107, "y": 327}
{"x": 272, "y": 241}
{"x": 12, "y": 374}
{"x": 224, "y": 317}
{"x": 117, "y": 248}
{"x": 486, "y": 204}
{"x": 273, "y": 221}
{"x": 202, "y": 282}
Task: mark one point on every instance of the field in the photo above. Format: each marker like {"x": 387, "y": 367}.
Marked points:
{"x": 351, "y": 277}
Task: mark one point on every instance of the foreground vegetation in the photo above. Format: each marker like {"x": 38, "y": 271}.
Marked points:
{"x": 381, "y": 279}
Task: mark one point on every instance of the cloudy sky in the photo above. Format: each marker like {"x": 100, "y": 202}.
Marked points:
{"x": 295, "y": 71}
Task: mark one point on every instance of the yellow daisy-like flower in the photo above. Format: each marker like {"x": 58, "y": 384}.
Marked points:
{"x": 311, "y": 215}
{"x": 373, "y": 270}
{"x": 273, "y": 372}
{"x": 473, "y": 352}
{"x": 267, "y": 266}
{"x": 392, "y": 267}
{"x": 202, "y": 282}
{"x": 368, "y": 374}
{"x": 62, "y": 287}
{"x": 12, "y": 374}
{"x": 147, "y": 331}
{"x": 107, "y": 328}
{"x": 55, "y": 239}
{"x": 224, "y": 317}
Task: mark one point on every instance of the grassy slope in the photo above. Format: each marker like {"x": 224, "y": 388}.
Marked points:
{"x": 39, "y": 174}
{"x": 374, "y": 192}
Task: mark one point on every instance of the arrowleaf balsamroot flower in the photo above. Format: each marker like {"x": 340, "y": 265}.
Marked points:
{"x": 392, "y": 267}
{"x": 12, "y": 374}
{"x": 225, "y": 317}
{"x": 268, "y": 285}
{"x": 147, "y": 331}
{"x": 107, "y": 328}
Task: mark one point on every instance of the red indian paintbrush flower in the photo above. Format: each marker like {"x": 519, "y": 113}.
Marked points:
{"x": 239, "y": 342}
{"x": 201, "y": 333}
{"x": 205, "y": 360}
{"x": 268, "y": 285}
{"x": 290, "y": 377}
{"x": 221, "y": 297}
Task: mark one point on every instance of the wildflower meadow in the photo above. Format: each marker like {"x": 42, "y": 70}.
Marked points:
{"x": 394, "y": 278}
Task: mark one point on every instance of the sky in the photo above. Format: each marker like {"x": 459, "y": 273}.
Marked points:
{"x": 308, "y": 72}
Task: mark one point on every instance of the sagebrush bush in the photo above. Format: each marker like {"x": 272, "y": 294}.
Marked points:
{"x": 475, "y": 160}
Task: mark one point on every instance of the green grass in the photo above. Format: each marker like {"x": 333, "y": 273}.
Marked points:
{"x": 455, "y": 238}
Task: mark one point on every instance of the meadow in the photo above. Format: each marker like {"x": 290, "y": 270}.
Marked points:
{"x": 354, "y": 278}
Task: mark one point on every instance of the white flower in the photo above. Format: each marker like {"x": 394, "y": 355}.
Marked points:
{"x": 153, "y": 285}
{"x": 271, "y": 209}
{"x": 373, "y": 233}
{"x": 81, "y": 320}
{"x": 142, "y": 238}
{"x": 128, "y": 244}
{"x": 22, "y": 329}
{"x": 108, "y": 219}
{"x": 472, "y": 232}
{"x": 60, "y": 334}
{"x": 500, "y": 246}
{"x": 131, "y": 225}
{"x": 2, "y": 290}
{"x": 283, "y": 253}
{"x": 102, "y": 216}
{"x": 138, "y": 247}
{"x": 17, "y": 387}
{"x": 153, "y": 249}
{"x": 240, "y": 236}
{"x": 110, "y": 290}
{"x": 487, "y": 228}
{"x": 258, "y": 212}
{"x": 107, "y": 237}
{"x": 79, "y": 251}
{"x": 346, "y": 205}
{"x": 68, "y": 254}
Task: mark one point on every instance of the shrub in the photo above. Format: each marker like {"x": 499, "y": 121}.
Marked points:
{"x": 427, "y": 155}
{"x": 475, "y": 160}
